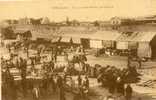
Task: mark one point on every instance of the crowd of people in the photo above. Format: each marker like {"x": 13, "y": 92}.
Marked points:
{"x": 53, "y": 79}
{"x": 49, "y": 83}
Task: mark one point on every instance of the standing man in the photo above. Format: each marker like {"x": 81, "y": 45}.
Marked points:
{"x": 139, "y": 61}
{"x": 59, "y": 82}
{"x": 36, "y": 93}
{"x": 66, "y": 56}
{"x": 61, "y": 88}
{"x": 23, "y": 75}
{"x": 32, "y": 64}
{"x": 62, "y": 94}
{"x": 120, "y": 85}
{"x": 128, "y": 92}
{"x": 51, "y": 66}
{"x": 79, "y": 79}
{"x": 53, "y": 84}
{"x": 86, "y": 82}
{"x": 55, "y": 53}
{"x": 129, "y": 61}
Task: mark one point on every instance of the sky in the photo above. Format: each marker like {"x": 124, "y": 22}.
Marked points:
{"x": 82, "y": 10}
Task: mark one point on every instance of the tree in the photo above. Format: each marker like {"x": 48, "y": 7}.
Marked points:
{"x": 35, "y": 21}
{"x": 96, "y": 23}
{"x": 8, "y": 33}
{"x": 75, "y": 23}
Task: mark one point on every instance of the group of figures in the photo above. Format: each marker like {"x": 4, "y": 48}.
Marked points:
{"x": 49, "y": 83}
{"x": 51, "y": 79}
{"x": 35, "y": 82}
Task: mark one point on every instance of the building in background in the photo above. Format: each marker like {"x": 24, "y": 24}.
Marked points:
{"x": 45, "y": 20}
{"x": 24, "y": 21}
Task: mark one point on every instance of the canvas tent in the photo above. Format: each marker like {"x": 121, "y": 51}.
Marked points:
{"x": 104, "y": 39}
{"x": 96, "y": 39}
{"x": 144, "y": 50}
{"x": 45, "y": 20}
{"x": 96, "y": 44}
{"x": 143, "y": 42}
{"x": 146, "y": 44}
{"x": 126, "y": 40}
{"x": 122, "y": 45}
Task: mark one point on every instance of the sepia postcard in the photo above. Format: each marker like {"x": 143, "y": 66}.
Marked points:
{"x": 78, "y": 49}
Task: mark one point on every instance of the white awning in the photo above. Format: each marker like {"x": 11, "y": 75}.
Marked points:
{"x": 76, "y": 40}
{"x": 105, "y": 35}
{"x": 122, "y": 45}
{"x": 65, "y": 39}
{"x": 56, "y": 39}
{"x": 95, "y": 44}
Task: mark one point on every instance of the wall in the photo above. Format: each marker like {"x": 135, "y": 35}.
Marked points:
{"x": 144, "y": 49}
